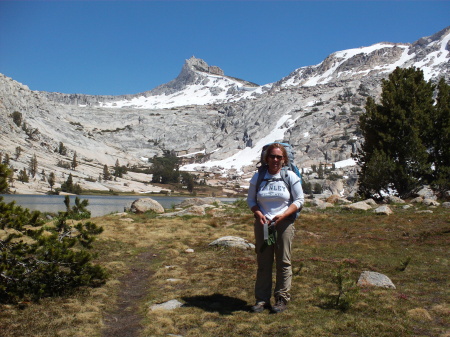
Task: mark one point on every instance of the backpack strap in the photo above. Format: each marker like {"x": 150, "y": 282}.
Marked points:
{"x": 262, "y": 170}
{"x": 286, "y": 179}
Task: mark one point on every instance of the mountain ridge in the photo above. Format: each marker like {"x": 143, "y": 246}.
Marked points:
{"x": 341, "y": 64}
{"x": 217, "y": 121}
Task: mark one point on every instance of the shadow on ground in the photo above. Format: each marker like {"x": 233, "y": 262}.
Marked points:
{"x": 224, "y": 305}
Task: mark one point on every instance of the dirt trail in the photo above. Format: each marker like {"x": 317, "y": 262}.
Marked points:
{"x": 124, "y": 320}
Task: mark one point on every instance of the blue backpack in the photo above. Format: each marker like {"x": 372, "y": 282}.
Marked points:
{"x": 262, "y": 170}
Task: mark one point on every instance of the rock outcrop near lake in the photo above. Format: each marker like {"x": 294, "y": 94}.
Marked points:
{"x": 143, "y": 205}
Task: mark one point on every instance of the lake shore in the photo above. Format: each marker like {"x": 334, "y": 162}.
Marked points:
{"x": 99, "y": 205}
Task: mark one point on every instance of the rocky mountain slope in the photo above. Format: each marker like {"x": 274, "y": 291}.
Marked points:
{"x": 218, "y": 122}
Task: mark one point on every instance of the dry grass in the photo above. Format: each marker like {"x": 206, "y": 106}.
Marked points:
{"x": 216, "y": 285}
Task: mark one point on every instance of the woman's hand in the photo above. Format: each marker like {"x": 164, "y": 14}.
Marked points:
{"x": 280, "y": 217}
{"x": 259, "y": 216}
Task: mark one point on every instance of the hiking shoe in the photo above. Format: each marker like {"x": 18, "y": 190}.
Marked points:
{"x": 259, "y": 307}
{"x": 280, "y": 306}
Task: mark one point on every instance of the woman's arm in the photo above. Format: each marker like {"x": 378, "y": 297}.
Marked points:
{"x": 297, "y": 196}
{"x": 251, "y": 201}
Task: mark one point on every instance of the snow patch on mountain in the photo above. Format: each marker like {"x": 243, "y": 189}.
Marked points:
{"x": 249, "y": 155}
{"x": 213, "y": 89}
{"x": 432, "y": 60}
{"x": 345, "y": 55}
{"x": 430, "y": 54}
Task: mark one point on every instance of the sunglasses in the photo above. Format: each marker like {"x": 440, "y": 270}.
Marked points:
{"x": 274, "y": 156}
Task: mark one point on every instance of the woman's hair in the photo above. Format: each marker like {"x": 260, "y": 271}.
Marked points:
{"x": 276, "y": 146}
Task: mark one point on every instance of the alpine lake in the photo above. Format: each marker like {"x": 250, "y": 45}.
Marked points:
{"x": 99, "y": 205}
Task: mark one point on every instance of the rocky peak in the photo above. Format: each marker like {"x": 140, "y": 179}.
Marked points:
{"x": 200, "y": 65}
{"x": 437, "y": 37}
{"x": 190, "y": 75}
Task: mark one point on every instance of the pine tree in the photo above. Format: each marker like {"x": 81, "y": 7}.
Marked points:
{"x": 440, "y": 138}
{"x": 6, "y": 159}
{"x": 320, "y": 171}
{"x": 62, "y": 150}
{"x": 74, "y": 163}
{"x": 106, "y": 173}
{"x": 166, "y": 169}
{"x": 18, "y": 152}
{"x": 394, "y": 153}
{"x": 5, "y": 174}
{"x": 188, "y": 180}
{"x": 11, "y": 179}
{"x": 69, "y": 187}
{"x": 33, "y": 166}
{"x": 51, "y": 180}
{"x": 119, "y": 170}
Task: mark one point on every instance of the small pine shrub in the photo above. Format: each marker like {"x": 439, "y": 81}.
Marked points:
{"x": 241, "y": 204}
{"x": 346, "y": 292}
{"x": 39, "y": 260}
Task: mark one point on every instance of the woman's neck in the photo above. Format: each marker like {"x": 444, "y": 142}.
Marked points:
{"x": 273, "y": 172}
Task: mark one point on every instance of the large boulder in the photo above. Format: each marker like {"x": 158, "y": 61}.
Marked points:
{"x": 193, "y": 210}
{"x": 145, "y": 205}
{"x": 417, "y": 200}
{"x": 169, "y": 305}
{"x": 371, "y": 278}
{"x": 370, "y": 202}
{"x": 383, "y": 209}
{"x": 336, "y": 199}
{"x": 336, "y": 187}
{"x": 392, "y": 199}
{"x": 232, "y": 241}
{"x": 360, "y": 205}
{"x": 199, "y": 202}
{"x": 430, "y": 202}
{"x": 427, "y": 193}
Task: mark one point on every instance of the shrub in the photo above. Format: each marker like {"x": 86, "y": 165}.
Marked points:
{"x": 39, "y": 261}
{"x": 334, "y": 176}
{"x": 346, "y": 290}
{"x": 62, "y": 150}
{"x": 63, "y": 164}
{"x": 317, "y": 188}
{"x": 23, "y": 176}
{"x": 17, "y": 118}
{"x": 307, "y": 188}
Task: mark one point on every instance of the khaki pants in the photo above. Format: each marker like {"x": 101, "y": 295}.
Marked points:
{"x": 281, "y": 250}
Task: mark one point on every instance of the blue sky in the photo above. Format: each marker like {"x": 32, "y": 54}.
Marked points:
{"x": 127, "y": 47}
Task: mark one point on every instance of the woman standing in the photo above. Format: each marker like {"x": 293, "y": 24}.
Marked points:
{"x": 274, "y": 203}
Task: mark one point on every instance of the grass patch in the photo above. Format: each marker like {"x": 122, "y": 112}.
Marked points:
{"x": 330, "y": 250}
